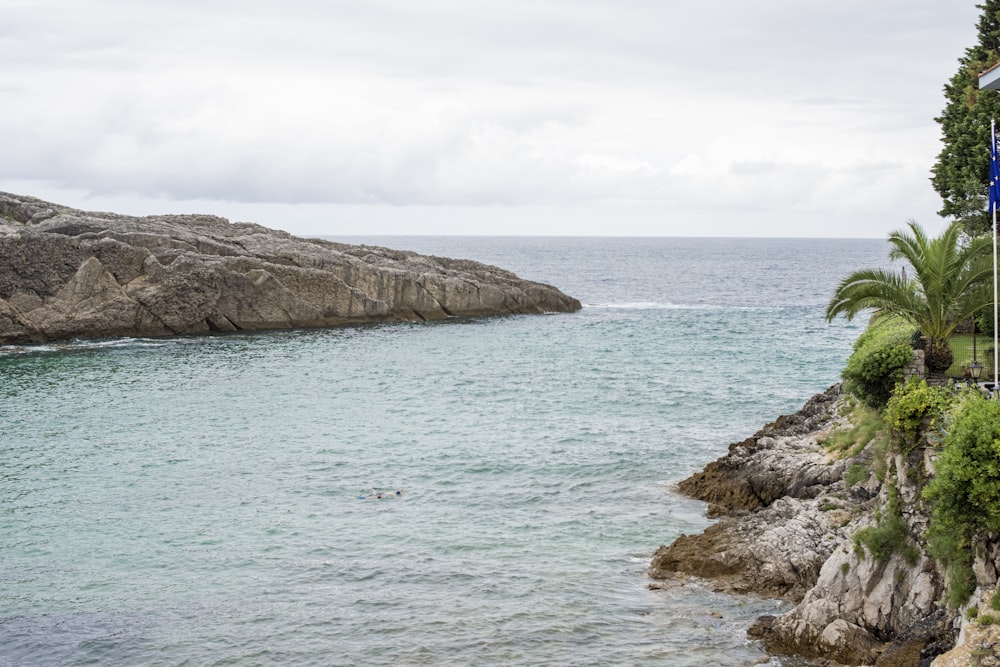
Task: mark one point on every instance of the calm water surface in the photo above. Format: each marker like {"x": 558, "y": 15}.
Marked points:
{"x": 194, "y": 501}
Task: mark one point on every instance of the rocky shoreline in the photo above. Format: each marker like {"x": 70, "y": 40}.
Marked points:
{"x": 786, "y": 525}
{"x": 66, "y": 273}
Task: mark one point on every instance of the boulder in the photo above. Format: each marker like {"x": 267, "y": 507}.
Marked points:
{"x": 66, "y": 274}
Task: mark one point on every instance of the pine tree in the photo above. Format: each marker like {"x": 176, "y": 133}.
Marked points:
{"x": 961, "y": 173}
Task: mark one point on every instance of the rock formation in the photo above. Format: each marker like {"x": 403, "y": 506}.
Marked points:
{"x": 66, "y": 273}
{"x": 787, "y": 528}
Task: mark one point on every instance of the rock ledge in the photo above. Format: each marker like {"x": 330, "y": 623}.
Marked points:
{"x": 786, "y": 527}
{"x": 66, "y": 274}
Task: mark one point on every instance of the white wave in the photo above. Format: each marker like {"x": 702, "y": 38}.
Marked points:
{"x": 10, "y": 350}
{"x": 71, "y": 345}
{"x": 649, "y": 305}
{"x": 653, "y": 305}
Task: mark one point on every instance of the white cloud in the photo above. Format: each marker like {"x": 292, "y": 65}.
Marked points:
{"x": 682, "y": 111}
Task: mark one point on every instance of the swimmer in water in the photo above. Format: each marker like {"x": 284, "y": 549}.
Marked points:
{"x": 373, "y": 494}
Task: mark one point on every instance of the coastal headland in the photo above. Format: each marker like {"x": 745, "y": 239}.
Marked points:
{"x": 790, "y": 513}
{"x": 66, "y": 273}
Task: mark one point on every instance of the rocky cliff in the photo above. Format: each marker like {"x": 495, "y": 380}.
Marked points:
{"x": 791, "y": 513}
{"x": 66, "y": 273}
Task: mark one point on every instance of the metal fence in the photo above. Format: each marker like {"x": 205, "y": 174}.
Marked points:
{"x": 964, "y": 349}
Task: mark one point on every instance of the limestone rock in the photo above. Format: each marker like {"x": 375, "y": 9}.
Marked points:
{"x": 782, "y": 459}
{"x": 980, "y": 647}
{"x": 786, "y": 531}
{"x": 777, "y": 551}
{"x": 66, "y": 274}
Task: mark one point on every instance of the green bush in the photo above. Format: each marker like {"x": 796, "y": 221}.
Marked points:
{"x": 865, "y": 425}
{"x": 913, "y": 408}
{"x": 876, "y": 365}
{"x": 965, "y": 491}
{"x": 855, "y": 474}
{"x": 887, "y": 536}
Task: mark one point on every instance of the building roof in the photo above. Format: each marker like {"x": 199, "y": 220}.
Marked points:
{"x": 990, "y": 79}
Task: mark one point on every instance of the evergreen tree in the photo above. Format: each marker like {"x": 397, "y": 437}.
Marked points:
{"x": 961, "y": 173}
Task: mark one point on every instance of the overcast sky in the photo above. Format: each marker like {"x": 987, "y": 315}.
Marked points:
{"x": 609, "y": 117}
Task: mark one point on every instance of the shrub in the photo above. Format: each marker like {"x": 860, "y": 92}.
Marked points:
{"x": 888, "y": 535}
{"x": 876, "y": 365}
{"x": 965, "y": 491}
{"x": 855, "y": 474}
{"x": 865, "y": 426}
{"x": 913, "y": 408}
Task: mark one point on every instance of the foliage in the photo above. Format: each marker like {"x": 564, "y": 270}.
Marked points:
{"x": 855, "y": 474}
{"x": 965, "y": 490}
{"x": 865, "y": 425}
{"x": 888, "y": 535}
{"x": 995, "y": 600}
{"x": 950, "y": 282}
{"x": 961, "y": 173}
{"x": 876, "y": 364}
{"x": 913, "y": 408}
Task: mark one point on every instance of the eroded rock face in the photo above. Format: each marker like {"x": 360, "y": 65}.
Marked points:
{"x": 66, "y": 274}
{"x": 786, "y": 530}
{"x": 776, "y": 552}
{"x": 782, "y": 459}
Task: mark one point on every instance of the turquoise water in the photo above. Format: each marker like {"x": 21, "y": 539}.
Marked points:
{"x": 195, "y": 500}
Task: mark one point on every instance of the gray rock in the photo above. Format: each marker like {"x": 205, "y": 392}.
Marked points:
{"x": 782, "y": 459}
{"x": 777, "y": 551}
{"x": 67, "y": 274}
{"x": 786, "y": 531}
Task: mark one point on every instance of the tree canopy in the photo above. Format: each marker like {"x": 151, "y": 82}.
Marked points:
{"x": 961, "y": 172}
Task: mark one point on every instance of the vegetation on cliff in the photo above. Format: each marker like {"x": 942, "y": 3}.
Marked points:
{"x": 964, "y": 494}
{"x": 876, "y": 366}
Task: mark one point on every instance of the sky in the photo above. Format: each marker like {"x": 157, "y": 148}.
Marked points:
{"x": 522, "y": 117}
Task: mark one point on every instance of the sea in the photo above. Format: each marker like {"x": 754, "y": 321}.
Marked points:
{"x": 213, "y": 500}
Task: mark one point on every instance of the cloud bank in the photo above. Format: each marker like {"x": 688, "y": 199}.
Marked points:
{"x": 816, "y": 118}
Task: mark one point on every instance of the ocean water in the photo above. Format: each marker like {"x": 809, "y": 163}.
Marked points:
{"x": 195, "y": 500}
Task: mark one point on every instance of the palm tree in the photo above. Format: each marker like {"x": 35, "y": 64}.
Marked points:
{"x": 950, "y": 283}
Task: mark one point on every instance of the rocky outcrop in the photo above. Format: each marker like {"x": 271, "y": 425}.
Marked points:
{"x": 787, "y": 528}
{"x": 66, "y": 273}
{"x": 782, "y": 459}
{"x": 783, "y": 512}
{"x": 866, "y": 608}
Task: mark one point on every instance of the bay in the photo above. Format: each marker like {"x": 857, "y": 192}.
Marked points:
{"x": 195, "y": 500}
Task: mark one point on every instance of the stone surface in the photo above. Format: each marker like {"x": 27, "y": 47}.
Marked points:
{"x": 776, "y": 552}
{"x": 980, "y": 647}
{"x": 66, "y": 274}
{"x": 781, "y": 459}
{"x": 786, "y": 530}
